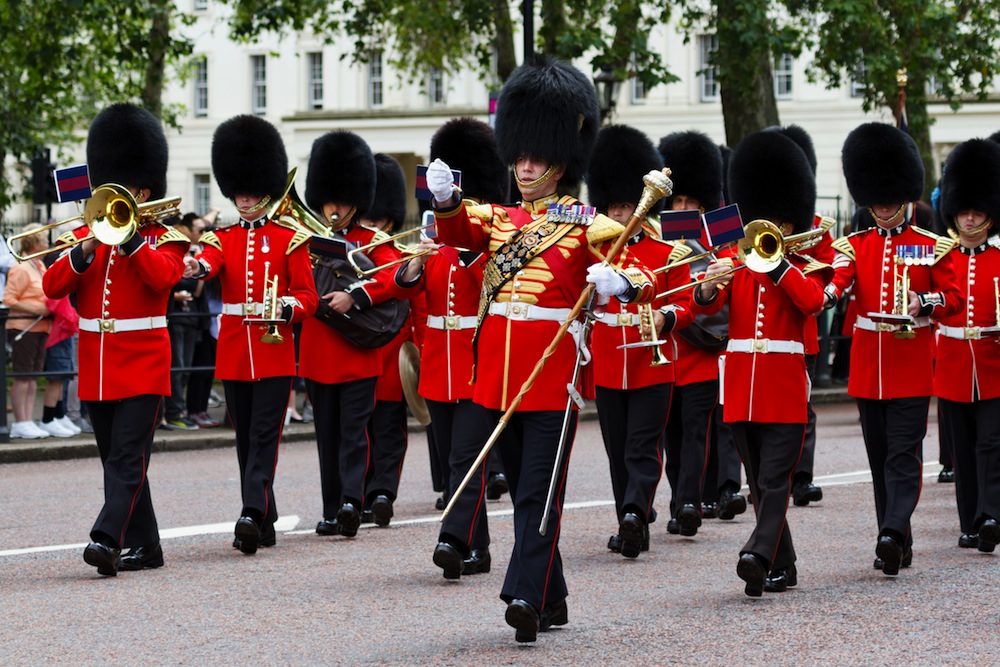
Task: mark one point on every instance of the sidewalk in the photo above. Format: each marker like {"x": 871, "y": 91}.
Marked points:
{"x": 84, "y": 445}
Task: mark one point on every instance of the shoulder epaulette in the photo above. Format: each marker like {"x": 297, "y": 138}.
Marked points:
{"x": 652, "y": 226}
{"x": 813, "y": 265}
{"x": 301, "y": 236}
{"x": 210, "y": 238}
{"x": 843, "y": 245}
{"x": 171, "y": 235}
{"x": 679, "y": 252}
{"x": 603, "y": 229}
{"x": 942, "y": 244}
{"x": 66, "y": 238}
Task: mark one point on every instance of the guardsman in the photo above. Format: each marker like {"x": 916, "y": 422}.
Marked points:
{"x": 547, "y": 120}
{"x": 121, "y": 295}
{"x": 967, "y": 366}
{"x": 387, "y": 426}
{"x": 265, "y": 273}
{"x": 633, "y": 384}
{"x": 693, "y": 430}
{"x": 451, "y": 280}
{"x": 340, "y": 187}
{"x": 765, "y": 386}
{"x": 894, "y": 269}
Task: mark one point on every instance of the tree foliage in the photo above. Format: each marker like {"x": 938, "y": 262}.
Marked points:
{"x": 951, "y": 45}
{"x": 63, "y": 60}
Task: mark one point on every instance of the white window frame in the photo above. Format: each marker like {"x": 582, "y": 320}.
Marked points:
{"x": 637, "y": 89}
{"x": 314, "y": 79}
{"x": 202, "y": 193}
{"x": 375, "y": 90}
{"x": 258, "y": 84}
{"x": 436, "y": 87}
{"x": 200, "y": 5}
{"x": 784, "y": 76}
{"x": 709, "y": 87}
{"x": 200, "y": 78}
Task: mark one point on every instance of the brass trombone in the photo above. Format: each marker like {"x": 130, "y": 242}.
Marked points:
{"x": 408, "y": 252}
{"x": 760, "y": 250}
{"x": 113, "y": 216}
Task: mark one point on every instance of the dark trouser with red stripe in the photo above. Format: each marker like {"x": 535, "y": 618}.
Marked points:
{"x": 894, "y": 433}
{"x": 974, "y": 428}
{"x": 687, "y": 443}
{"x": 460, "y": 431}
{"x": 124, "y": 433}
{"x": 528, "y": 451}
{"x": 387, "y": 431}
{"x": 341, "y": 413}
{"x": 257, "y": 411}
{"x": 632, "y": 424}
{"x": 770, "y": 453}
{"x": 804, "y": 470}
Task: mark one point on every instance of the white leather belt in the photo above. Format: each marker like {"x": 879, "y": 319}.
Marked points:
{"x": 620, "y": 320}
{"x": 765, "y": 346}
{"x": 867, "y": 324}
{"x": 961, "y": 333}
{"x": 94, "y": 325}
{"x": 524, "y": 311}
{"x": 451, "y": 322}
{"x": 243, "y": 309}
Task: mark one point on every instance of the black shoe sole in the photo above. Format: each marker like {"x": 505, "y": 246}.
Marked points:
{"x": 524, "y": 622}
{"x": 689, "y": 522}
{"x": 450, "y": 561}
{"x": 891, "y": 556}
{"x": 99, "y": 560}
{"x": 349, "y": 522}
{"x": 752, "y": 572}
{"x": 382, "y": 511}
{"x": 631, "y": 532}
{"x": 248, "y": 536}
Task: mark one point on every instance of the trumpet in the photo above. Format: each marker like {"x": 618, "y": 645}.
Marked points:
{"x": 900, "y": 318}
{"x": 113, "y": 216}
{"x": 269, "y": 317}
{"x": 650, "y": 338}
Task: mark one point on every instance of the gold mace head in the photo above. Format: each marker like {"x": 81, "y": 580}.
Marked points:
{"x": 657, "y": 186}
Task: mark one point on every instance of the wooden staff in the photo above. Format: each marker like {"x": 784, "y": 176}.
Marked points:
{"x": 657, "y": 185}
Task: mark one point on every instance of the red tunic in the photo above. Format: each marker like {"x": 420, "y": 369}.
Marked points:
{"x": 882, "y": 366}
{"x": 630, "y": 368}
{"x": 238, "y": 255}
{"x": 114, "y": 286}
{"x": 510, "y": 346}
{"x": 768, "y": 386}
{"x": 451, "y": 291}
{"x": 968, "y": 369}
{"x": 821, "y": 252}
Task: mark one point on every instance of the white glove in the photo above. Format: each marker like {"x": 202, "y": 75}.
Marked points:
{"x": 439, "y": 180}
{"x": 606, "y": 280}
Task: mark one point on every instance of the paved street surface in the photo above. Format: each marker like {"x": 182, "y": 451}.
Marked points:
{"x": 378, "y": 599}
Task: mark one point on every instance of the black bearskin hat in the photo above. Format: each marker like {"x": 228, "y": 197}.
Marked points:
{"x": 248, "y": 158}
{"x": 770, "y": 178}
{"x": 390, "y": 191}
{"x": 882, "y": 165}
{"x": 468, "y": 145}
{"x": 995, "y": 137}
{"x": 970, "y": 181}
{"x": 126, "y": 145}
{"x": 548, "y": 110}
{"x": 695, "y": 163}
{"x": 622, "y": 156}
{"x": 342, "y": 171}
{"x": 800, "y": 137}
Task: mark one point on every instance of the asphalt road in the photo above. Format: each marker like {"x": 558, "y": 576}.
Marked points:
{"x": 378, "y": 599}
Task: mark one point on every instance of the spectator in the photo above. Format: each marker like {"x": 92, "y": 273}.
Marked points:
{"x": 184, "y": 328}
{"x": 199, "y": 387}
{"x": 24, "y": 296}
{"x": 6, "y": 261}
{"x": 59, "y": 357}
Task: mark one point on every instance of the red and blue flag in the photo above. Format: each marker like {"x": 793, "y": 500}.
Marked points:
{"x": 72, "y": 183}
{"x": 422, "y": 193}
{"x": 724, "y": 225}
{"x": 680, "y": 225}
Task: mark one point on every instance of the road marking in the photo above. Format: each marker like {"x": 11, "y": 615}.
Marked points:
{"x": 287, "y": 524}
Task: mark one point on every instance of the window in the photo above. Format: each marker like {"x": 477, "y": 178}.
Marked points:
{"x": 637, "y": 88}
{"x": 202, "y": 193}
{"x": 858, "y": 79}
{"x": 784, "y": 66}
{"x": 435, "y": 86}
{"x": 708, "y": 45}
{"x": 200, "y": 5}
{"x": 258, "y": 93}
{"x": 375, "y": 79}
{"x": 314, "y": 76}
{"x": 201, "y": 87}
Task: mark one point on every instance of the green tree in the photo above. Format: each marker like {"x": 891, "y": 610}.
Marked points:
{"x": 63, "y": 60}
{"x": 949, "y": 49}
